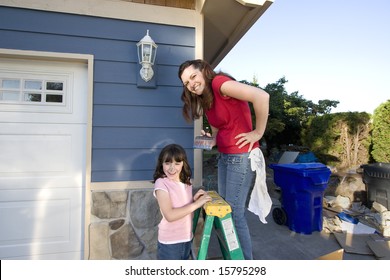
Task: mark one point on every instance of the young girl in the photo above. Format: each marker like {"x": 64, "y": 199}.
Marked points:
{"x": 224, "y": 102}
{"x": 173, "y": 190}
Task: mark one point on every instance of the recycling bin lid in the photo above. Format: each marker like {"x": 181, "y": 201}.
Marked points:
{"x": 376, "y": 170}
{"x": 377, "y": 166}
{"x": 299, "y": 166}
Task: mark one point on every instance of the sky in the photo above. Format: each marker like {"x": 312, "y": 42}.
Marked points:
{"x": 333, "y": 49}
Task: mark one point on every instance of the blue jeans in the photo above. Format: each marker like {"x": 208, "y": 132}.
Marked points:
{"x": 235, "y": 179}
{"x": 178, "y": 251}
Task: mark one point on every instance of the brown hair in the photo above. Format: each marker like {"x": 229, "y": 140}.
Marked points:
{"x": 168, "y": 154}
{"x": 195, "y": 105}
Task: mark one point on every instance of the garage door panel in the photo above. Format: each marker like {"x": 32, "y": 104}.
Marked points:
{"x": 37, "y": 118}
{"x": 41, "y": 155}
{"x": 31, "y": 219}
{"x": 30, "y": 182}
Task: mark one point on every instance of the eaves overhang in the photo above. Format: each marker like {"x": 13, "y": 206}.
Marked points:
{"x": 226, "y": 22}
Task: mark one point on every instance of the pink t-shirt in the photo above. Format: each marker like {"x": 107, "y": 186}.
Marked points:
{"x": 181, "y": 195}
{"x": 231, "y": 117}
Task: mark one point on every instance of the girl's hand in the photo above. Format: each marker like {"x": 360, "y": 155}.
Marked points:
{"x": 248, "y": 138}
{"x": 201, "y": 197}
{"x": 199, "y": 193}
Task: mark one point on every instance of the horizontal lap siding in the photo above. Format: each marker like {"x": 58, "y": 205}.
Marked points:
{"x": 117, "y": 137}
{"x": 130, "y": 124}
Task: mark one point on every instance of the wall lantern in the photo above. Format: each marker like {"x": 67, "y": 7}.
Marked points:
{"x": 147, "y": 50}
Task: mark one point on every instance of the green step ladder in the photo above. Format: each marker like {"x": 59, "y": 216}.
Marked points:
{"x": 218, "y": 217}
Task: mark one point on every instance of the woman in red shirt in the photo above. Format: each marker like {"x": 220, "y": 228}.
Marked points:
{"x": 224, "y": 102}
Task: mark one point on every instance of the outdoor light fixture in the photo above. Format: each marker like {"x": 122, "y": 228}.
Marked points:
{"x": 147, "y": 50}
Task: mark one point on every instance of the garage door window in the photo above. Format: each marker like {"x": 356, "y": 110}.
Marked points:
{"x": 32, "y": 91}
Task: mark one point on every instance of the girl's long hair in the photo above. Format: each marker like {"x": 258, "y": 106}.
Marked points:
{"x": 168, "y": 154}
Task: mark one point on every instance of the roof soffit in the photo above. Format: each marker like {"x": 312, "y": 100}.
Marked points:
{"x": 226, "y": 22}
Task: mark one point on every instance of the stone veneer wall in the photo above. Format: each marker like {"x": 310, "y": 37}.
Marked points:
{"x": 123, "y": 225}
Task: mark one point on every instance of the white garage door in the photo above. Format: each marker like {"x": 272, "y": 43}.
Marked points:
{"x": 43, "y": 116}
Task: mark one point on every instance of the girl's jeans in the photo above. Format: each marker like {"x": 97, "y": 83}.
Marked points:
{"x": 235, "y": 179}
{"x": 178, "y": 251}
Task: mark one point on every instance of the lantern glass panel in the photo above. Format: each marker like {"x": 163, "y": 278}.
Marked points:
{"x": 146, "y": 57}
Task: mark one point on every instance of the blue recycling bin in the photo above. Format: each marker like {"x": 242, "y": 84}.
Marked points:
{"x": 302, "y": 186}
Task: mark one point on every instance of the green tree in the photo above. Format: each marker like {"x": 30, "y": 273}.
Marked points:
{"x": 340, "y": 139}
{"x": 324, "y": 106}
{"x": 381, "y": 132}
{"x": 289, "y": 113}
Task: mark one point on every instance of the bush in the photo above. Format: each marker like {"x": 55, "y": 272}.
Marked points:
{"x": 380, "y": 133}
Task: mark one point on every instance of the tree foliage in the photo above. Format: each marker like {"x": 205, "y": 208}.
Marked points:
{"x": 340, "y": 139}
{"x": 288, "y": 113}
{"x": 381, "y": 132}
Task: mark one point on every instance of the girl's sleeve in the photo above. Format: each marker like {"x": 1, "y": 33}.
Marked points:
{"x": 159, "y": 185}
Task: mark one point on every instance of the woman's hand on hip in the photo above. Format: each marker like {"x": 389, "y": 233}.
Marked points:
{"x": 248, "y": 138}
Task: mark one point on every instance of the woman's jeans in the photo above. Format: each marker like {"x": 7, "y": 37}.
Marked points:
{"x": 178, "y": 251}
{"x": 235, "y": 179}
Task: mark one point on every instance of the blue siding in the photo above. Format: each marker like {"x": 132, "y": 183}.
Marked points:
{"x": 92, "y": 27}
{"x": 130, "y": 124}
{"x": 117, "y": 161}
{"x": 138, "y": 137}
{"x": 128, "y": 94}
{"x": 137, "y": 116}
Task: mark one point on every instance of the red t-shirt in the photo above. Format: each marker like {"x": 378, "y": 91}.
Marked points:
{"x": 231, "y": 117}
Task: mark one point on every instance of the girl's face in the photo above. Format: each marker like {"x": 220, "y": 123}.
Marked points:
{"x": 172, "y": 170}
{"x": 193, "y": 80}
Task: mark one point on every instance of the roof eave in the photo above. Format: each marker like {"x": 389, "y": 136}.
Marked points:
{"x": 226, "y": 22}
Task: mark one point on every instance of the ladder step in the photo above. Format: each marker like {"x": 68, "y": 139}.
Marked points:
{"x": 217, "y": 207}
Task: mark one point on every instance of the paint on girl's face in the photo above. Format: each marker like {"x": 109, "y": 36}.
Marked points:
{"x": 172, "y": 170}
